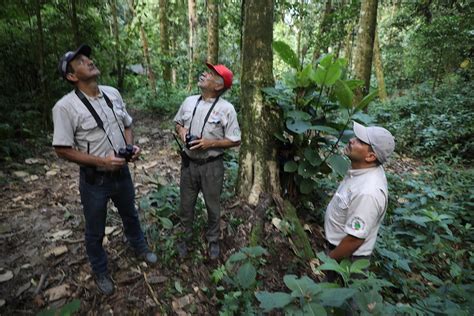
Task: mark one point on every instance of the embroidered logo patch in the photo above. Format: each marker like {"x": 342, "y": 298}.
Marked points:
{"x": 357, "y": 224}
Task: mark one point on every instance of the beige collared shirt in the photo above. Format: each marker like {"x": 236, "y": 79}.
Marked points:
{"x": 74, "y": 125}
{"x": 222, "y": 123}
{"x": 357, "y": 208}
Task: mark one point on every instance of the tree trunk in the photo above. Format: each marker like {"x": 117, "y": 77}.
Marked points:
{"x": 192, "y": 54}
{"x": 258, "y": 172}
{"x": 365, "y": 45}
{"x": 118, "y": 51}
{"x": 379, "y": 69}
{"x": 212, "y": 31}
{"x": 146, "y": 52}
{"x": 41, "y": 75}
{"x": 323, "y": 28}
{"x": 165, "y": 42}
{"x": 75, "y": 24}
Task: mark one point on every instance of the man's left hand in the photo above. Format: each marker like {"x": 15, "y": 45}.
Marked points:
{"x": 136, "y": 152}
{"x": 202, "y": 144}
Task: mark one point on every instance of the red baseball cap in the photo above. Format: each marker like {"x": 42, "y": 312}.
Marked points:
{"x": 224, "y": 72}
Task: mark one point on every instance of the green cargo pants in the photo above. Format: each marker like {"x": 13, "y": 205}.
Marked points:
{"x": 208, "y": 178}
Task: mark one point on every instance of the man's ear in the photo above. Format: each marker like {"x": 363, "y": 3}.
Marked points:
{"x": 71, "y": 77}
{"x": 371, "y": 157}
{"x": 219, "y": 87}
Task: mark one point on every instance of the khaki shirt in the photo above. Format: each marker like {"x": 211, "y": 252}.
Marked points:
{"x": 74, "y": 125}
{"x": 357, "y": 208}
{"x": 222, "y": 123}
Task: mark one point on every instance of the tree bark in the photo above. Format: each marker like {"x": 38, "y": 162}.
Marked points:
{"x": 323, "y": 28}
{"x": 379, "y": 69}
{"x": 212, "y": 31}
{"x": 118, "y": 51}
{"x": 192, "y": 54}
{"x": 165, "y": 42}
{"x": 365, "y": 45}
{"x": 146, "y": 52}
{"x": 41, "y": 74}
{"x": 258, "y": 172}
{"x": 75, "y": 24}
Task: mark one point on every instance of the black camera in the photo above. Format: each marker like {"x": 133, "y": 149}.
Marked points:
{"x": 190, "y": 138}
{"x": 126, "y": 152}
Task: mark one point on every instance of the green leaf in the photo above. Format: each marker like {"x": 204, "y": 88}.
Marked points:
{"x": 298, "y": 115}
{"x": 269, "y": 301}
{"x": 303, "y": 77}
{"x": 254, "y": 252}
{"x": 319, "y": 75}
{"x": 326, "y": 60}
{"x": 314, "y": 309}
{"x": 312, "y": 156}
{"x": 359, "y": 265}
{"x": 297, "y": 126}
{"x": 333, "y": 74}
{"x": 239, "y": 256}
{"x": 306, "y": 186}
{"x": 338, "y": 164}
{"x": 166, "y": 222}
{"x": 178, "y": 287}
{"x": 326, "y": 129}
{"x": 290, "y": 166}
{"x": 366, "y": 100}
{"x": 246, "y": 275}
{"x": 343, "y": 93}
{"x": 286, "y": 53}
{"x": 432, "y": 278}
{"x": 336, "y": 297}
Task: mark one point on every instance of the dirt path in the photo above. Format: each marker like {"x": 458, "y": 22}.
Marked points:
{"x": 43, "y": 260}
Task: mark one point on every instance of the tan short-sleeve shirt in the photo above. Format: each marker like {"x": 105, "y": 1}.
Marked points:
{"x": 74, "y": 125}
{"x": 222, "y": 123}
{"x": 357, "y": 208}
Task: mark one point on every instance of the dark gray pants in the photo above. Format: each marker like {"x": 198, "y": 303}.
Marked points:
{"x": 207, "y": 178}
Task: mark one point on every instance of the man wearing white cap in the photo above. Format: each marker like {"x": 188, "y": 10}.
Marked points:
{"x": 355, "y": 213}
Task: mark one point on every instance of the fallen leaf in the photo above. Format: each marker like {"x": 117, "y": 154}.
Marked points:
{"x": 110, "y": 229}
{"x": 143, "y": 140}
{"x": 7, "y": 275}
{"x": 51, "y": 173}
{"x": 182, "y": 302}
{"x": 149, "y": 165}
{"x": 2, "y": 302}
{"x": 56, "y": 251}
{"x": 105, "y": 241}
{"x": 156, "y": 279}
{"x": 32, "y": 161}
{"x": 20, "y": 174}
{"x": 60, "y": 234}
{"x": 57, "y": 292}
{"x": 23, "y": 288}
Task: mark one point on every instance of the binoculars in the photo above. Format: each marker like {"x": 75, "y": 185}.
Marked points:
{"x": 126, "y": 152}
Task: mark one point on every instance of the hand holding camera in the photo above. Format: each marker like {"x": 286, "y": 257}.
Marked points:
{"x": 190, "y": 139}
{"x": 128, "y": 152}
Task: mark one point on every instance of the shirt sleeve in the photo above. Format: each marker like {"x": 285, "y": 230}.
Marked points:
{"x": 63, "y": 127}
{"x": 362, "y": 216}
{"x": 120, "y": 108}
{"x": 179, "y": 116}
{"x": 232, "y": 128}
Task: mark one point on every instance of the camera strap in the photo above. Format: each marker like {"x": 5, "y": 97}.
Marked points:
{"x": 207, "y": 115}
{"x": 96, "y": 116}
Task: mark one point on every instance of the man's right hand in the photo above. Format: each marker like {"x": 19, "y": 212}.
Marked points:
{"x": 182, "y": 131}
{"x": 113, "y": 163}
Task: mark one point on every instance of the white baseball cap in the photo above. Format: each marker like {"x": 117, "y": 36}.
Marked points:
{"x": 381, "y": 140}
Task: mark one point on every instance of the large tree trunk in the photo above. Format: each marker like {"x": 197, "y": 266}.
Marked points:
{"x": 192, "y": 54}
{"x": 365, "y": 45}
{"x": 212, "y": 31}
{"x": 379, "y": 69}
{"x": 258, "y": 171}
{"x": 118, "y": 51}
{"x": 75, "y": 24}
{"x": 165, "y": 42}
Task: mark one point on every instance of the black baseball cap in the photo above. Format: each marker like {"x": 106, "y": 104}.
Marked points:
{"x": 66, "y": 59}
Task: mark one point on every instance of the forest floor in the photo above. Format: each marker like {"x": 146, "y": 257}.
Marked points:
{"x": 44, "y": 264}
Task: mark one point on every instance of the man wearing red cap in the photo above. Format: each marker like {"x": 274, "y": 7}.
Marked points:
{"x": 207, "y": 124}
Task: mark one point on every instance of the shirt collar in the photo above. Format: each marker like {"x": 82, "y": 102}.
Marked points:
{"x": 359, "y": 172}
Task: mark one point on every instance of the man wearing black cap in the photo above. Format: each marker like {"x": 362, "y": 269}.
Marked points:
{"x": 355, "y": 213}
{"x": 207, "y": 124}
{"x": 91, "y": 126}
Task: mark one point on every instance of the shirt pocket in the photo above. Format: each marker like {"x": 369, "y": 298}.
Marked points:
{"x": 341, "y": 206}
{"x": 186, "y": 118}
{"x": 90, "y": 130}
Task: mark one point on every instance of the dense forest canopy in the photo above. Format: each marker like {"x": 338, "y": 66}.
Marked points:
{"x": 303, "y": 70}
